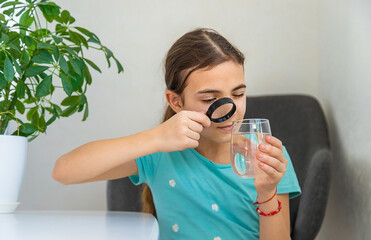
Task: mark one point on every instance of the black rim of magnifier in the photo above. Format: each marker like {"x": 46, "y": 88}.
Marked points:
{"x": 217, "y": 104}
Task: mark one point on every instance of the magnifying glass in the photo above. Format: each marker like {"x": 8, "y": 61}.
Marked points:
{"x": 221, "y": 110}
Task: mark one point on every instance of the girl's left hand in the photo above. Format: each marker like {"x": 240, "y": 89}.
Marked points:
{"x": 272, "y": 162}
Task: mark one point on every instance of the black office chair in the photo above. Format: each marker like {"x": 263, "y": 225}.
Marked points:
{"x": 298, "y": 121}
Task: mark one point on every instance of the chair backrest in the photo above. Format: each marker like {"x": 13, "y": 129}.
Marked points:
{"x": 298, "y": 121}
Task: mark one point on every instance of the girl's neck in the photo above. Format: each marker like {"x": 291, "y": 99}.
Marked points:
{"x": 219, "y": 153}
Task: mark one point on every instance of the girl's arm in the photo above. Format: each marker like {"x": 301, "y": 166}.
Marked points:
{"x": 273, "y": 163}
{"x": 278, "y": 225}
{"x": 104, "y": 159}
{"x": 115, "y": 158}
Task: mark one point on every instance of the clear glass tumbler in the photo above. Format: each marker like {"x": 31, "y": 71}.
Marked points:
{"x": 247, "y": 134}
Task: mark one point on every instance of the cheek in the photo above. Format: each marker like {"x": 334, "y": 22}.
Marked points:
{"x": 241, "y": 108}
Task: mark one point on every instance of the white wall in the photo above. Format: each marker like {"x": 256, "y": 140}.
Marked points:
{"x": 310, "y": 47}
{"x": 344, "y": 89}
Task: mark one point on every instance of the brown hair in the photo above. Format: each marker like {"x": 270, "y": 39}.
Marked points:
{"x": 198, "y": 49}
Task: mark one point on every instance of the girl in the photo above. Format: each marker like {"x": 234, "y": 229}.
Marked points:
{"x": 185, "y": 160}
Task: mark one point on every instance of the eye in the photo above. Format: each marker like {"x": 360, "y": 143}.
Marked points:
{"x": 239, "y": 95}
{"x": 208, "y": 100}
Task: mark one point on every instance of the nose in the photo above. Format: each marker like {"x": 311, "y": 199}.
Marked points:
{"x": 221, "y": 110}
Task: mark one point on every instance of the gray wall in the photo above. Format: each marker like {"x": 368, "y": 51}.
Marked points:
{"x": 344, "y": 89}
{"x": 311, "y": 47}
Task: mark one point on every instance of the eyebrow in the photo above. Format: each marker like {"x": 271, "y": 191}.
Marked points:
{"x": 217, "y": 91}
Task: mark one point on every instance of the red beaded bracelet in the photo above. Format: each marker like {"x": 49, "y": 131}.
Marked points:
{"x": 265, "y": 201}
{"x": 270, "y": 213}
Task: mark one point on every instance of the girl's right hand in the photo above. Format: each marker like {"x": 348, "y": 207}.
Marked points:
{"x": 181, "y": 131}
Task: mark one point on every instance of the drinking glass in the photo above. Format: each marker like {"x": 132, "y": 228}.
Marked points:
{"x": 247, "y": 134}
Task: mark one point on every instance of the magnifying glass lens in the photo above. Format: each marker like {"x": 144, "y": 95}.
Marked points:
{"x": 222, "y": 111}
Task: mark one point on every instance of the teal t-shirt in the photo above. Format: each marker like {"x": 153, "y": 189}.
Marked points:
{"x": 198, "y": 199}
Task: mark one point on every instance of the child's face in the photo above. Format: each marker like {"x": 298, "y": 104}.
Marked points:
{"x": 224, "y": 80}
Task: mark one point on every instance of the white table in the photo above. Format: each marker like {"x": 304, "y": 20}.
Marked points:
{"x": 70, "y": 225}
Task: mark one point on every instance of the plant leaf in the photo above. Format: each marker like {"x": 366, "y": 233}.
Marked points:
{"x": 20, "y": 106}
{"x": 108, "y": 61}
{"x": 71, "y": 51}
{"x": 42, "y": 123}
{"x": 8, "y": 70}
{"x": 28, "y": 128}
{"x": 60, "y": 29}
{"x": 35, "y": 119}
{"x": 51, "y": 120}
{"x": 87, "y": 75}
{"x": 74, "y": 38}
{"x": 81, "y": 39}
{"x": 50, "y": 10}
{"x": 49, "y": 109}
{"x": 9, "y": 11}
{"x": 118, "y": 64}
{"x": 56, "y": 39}
{"x": 69, "y": 111}
{"x": 76, "y": 80}
{"x": 3, "y": 82}
{"x": 84, "y": 31}
{"x": 26, "y": 20}
{"x": 71, "y": 100}
{"x": 109, "y": 53}
{"x": 43, "y": 57}
{"x": 29, "y": 41}
{"x": 35, "y": 70}
{"x": 94, "y": 39}
{"x": 20, "y": 89}
{"x": 30, "y": 113}
{"x": 67, "y": 85}
{"x": 25, "y": 58}
{"x": 20, "y": 12}
{"x": 44, "y": 87}
{"x": 92, "y": 65}
{"x": 56, "y": 53}
{"x": 66, "y": 17}
{"x": 11, "y": 3}
{"x": 17, "y": 67}
{"x": 4, "y": 37}
{"x": 44, "y": 45}
{"x": 86, "y": 112}
{"x": 75, "y": 65}
{"x": 2, "y": 17}
{"x": 63, "y": 64}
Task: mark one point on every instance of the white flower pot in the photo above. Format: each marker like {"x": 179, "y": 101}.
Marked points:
{"x": 13, "y": 154}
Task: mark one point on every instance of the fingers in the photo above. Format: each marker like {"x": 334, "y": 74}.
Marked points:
{"x": 195, "y": 126}
{"x": 194, "y": 129}
{"x": 271, "y": 150}
{"x": 274, "y": 141}
{"x": 193, "y": 135}
{"x": 192, "y": 143}
{"x": 199, "y": 117}
{"x": 271, "y": 156}
{"x": 269, "y": 170}
{"x": 273, "y": 163}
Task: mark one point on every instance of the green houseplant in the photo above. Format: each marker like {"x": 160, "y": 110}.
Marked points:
{"x": 41, "y": 52}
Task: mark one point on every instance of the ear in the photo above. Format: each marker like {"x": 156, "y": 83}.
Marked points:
{"x": 174, "y": 101}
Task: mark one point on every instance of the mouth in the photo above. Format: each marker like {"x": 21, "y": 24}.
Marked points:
{"x": 226, "y": 127}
